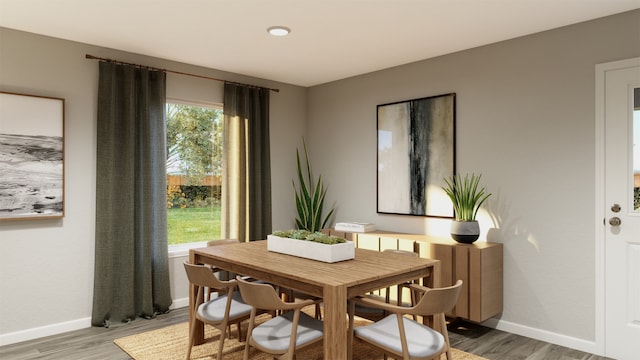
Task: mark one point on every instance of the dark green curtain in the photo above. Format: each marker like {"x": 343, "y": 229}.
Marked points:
{"x": 246, "y": 172}
{"x": 131, "y": 255}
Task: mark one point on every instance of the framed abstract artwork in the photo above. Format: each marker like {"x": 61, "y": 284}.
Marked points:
{"x": 31, "y": 157}
{"x": 416, "y": 152}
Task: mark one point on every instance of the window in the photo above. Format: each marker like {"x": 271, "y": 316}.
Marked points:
{"x": 636, "y": 150}
{"x": 194, "y": 165}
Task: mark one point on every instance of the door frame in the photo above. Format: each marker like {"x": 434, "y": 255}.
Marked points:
{"x": 600, "y": 212}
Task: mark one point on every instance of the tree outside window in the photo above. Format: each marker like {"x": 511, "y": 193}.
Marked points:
{"x": 194, "y": 165}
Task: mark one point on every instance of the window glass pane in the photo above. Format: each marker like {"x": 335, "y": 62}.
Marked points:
{"x": 636, "y": 149}
{"x": 194, "y": 160}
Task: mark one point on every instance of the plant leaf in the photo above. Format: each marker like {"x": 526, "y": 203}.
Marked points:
{"x": 310, "y": 197}
{"x": 466, "y": 196}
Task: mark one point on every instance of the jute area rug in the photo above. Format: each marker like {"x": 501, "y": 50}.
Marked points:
{"x": 171, "y": 343}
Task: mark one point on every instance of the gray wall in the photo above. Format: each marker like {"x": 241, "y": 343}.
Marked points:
{"x": 525, "y": 120}
{"x": 46, "y": 266}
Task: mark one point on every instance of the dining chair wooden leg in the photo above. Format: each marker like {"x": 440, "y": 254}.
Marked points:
{"x": 223, "y": 335}
{"x": 252, "y": 320}
{"x": 445, "y": 333}
{"x": 192, "y": 333}
{"x": 239, "y": 325}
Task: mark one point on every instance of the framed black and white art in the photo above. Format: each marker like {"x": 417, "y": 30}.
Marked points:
{"x": 31, "y": 157}
{"x": 416, "y": 152}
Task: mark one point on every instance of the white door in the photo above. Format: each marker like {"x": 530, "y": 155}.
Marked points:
{"x": 622, "y": 215}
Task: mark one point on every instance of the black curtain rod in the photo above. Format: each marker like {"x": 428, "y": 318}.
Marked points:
{"x": 174, "y": 72}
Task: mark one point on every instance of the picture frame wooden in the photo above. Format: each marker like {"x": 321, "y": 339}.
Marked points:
{"x": 415, "y": 153}
{"x": 31, "y": 156}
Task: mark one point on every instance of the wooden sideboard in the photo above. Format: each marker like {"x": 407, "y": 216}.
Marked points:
{"x": 478, "y": 265}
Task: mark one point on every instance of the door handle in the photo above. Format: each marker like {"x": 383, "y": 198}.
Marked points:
{"x": 615, "y": 221}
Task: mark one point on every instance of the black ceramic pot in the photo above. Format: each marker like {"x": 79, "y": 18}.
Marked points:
{"x": 465, "y": 231}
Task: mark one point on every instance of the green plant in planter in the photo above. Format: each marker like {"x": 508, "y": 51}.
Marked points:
{"x": 466, "y": 196}
{"x": 310, "y": 236}
{"x": 309, "y": 198}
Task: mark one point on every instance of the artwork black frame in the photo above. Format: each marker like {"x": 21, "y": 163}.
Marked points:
{"x": 415, "y": 153}
{"x": 31, "y": 156}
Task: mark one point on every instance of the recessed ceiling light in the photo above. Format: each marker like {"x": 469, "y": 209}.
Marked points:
{"x": 278, "y": 30}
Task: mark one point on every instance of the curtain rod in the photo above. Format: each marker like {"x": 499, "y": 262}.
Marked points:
{"x": 87, "y": 56}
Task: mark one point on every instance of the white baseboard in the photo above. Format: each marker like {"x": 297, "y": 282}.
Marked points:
{"x": 48, "y": 330}
{"x": 179, "y": 303}
{"x": 544, "y": 335}
{"x": 55, "y": 329}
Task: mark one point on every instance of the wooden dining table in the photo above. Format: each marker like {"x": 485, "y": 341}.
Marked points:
{"x": 333, "y": 282}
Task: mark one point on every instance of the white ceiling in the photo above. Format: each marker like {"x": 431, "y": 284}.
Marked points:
{"x": 330, "y": 40}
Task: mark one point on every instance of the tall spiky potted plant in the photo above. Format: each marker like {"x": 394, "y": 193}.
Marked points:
{"x": 310, "y": 197}
{"x": 467, "y": 197}
{"x": 310, "y": 221}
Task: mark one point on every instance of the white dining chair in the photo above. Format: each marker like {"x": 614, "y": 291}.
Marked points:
{"x": 221, "y": 311}
{"x": 282, "y": 335}
{"x": 404, "y": 338}
{"x": 375, "y": 314}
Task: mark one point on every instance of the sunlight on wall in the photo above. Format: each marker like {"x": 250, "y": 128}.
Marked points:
{"x": 486, "y": 223}
{"x": 533, "y": 241}
{"x": 437, "y": 227}
{"x": 439, "y": 202}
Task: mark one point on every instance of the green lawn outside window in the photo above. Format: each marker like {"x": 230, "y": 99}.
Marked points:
{"x": 193, "y": 224}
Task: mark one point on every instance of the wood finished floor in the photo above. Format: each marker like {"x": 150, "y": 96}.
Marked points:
{"x": 97, "y": 343}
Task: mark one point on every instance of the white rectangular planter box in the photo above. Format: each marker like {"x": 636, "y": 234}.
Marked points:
{"x": 311, "y": 250}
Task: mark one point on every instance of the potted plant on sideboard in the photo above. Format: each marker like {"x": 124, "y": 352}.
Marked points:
{"x": 467, "y": 197}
